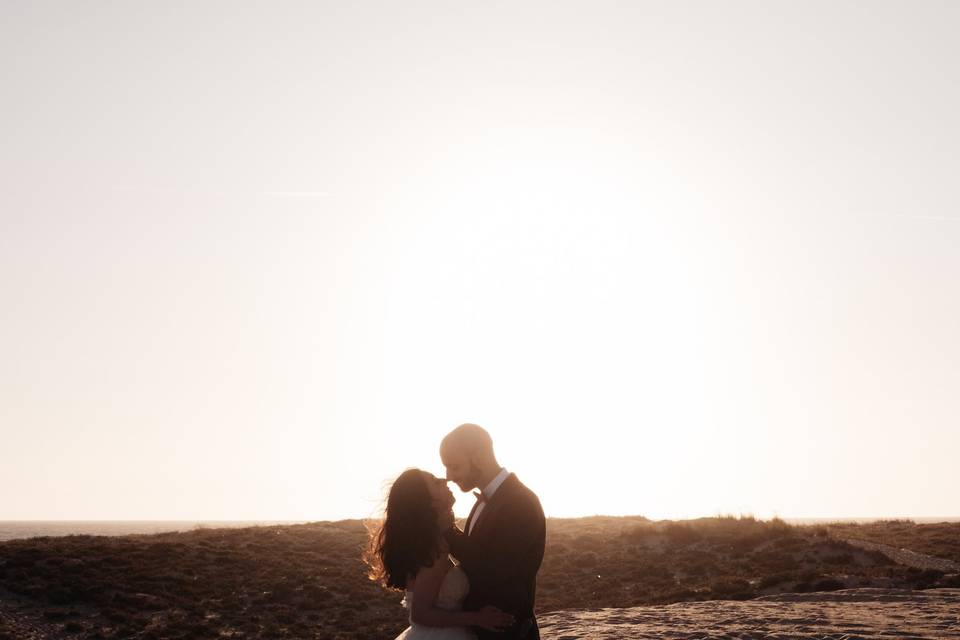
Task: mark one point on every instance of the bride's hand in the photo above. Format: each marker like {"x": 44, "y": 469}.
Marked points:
{"x": 492, "y": 619}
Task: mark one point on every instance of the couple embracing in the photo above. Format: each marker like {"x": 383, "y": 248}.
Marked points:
{"x": 474, "y": 584}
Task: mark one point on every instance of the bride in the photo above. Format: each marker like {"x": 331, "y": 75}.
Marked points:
{"x": 409, "y": 553}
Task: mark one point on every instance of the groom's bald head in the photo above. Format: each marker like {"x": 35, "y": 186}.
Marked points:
{"x": 467, "y": 453}
{"x": 469, "y": 438}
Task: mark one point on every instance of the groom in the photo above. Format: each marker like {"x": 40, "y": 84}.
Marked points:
{"x": 502, "y": 546}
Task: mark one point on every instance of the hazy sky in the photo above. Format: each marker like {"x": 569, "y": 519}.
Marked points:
{"x": 679, "y": 258}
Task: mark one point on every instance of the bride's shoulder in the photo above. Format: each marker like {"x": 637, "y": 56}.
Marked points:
{"x": 440, "y": 565}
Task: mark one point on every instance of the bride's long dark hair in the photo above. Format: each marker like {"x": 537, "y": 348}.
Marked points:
{"x": 407, "y": 540}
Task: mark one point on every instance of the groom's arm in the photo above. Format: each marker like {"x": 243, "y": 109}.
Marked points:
{"x": 497, "y": 559}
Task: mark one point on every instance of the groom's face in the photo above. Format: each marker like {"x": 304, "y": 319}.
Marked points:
{"x": 460, "y": 469}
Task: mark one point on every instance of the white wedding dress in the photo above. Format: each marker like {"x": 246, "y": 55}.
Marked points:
{"x": 453, "y": 590}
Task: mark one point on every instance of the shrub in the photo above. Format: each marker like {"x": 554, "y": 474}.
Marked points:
{"x": 730, "y": 586}
{"x": 681, "y": 534}
{"x": 828, "y": 584}
{"x": 774, "y": 579}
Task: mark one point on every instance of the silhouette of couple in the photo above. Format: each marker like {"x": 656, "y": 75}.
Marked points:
{"x": 474, "y": 584}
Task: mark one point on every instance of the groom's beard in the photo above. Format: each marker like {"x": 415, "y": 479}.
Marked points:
{"x": 473, "y": 479}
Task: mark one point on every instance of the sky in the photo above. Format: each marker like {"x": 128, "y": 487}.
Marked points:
{"x": 679, "y": 258}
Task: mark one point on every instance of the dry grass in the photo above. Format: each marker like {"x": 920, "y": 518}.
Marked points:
{"x": 302, "y": 581}
{"x": 936, "y": 539}
{"x": 307, "y": 581}
{"x": 623, "y": 562}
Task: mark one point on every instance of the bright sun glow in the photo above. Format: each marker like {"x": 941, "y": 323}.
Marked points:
{"x": 677, "y": 267}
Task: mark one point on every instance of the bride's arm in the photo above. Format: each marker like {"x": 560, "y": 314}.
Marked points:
{"x": 425, "y": 590}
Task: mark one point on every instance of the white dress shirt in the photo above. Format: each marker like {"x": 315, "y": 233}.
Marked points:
{"x": 488, "y": 492}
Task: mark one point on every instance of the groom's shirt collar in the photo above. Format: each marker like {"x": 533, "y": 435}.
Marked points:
{"x": 491, "y": 488}
{"x": 488, "y": 492}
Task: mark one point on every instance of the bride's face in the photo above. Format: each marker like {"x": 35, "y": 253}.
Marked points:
{"x": 442, "y": 497}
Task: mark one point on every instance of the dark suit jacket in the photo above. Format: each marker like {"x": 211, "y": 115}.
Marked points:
{"x": 502, "y": 556}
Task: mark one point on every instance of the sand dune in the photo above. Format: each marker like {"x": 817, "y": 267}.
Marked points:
{"x": 907, "y": 557}
{"x": 841, "y": 615}
{"x": 706, "y": 578}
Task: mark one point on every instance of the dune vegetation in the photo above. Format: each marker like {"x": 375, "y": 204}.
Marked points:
{"x": 308, "y": 581}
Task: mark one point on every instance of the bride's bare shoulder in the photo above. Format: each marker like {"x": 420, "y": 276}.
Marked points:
{"x": 441, "y": 564}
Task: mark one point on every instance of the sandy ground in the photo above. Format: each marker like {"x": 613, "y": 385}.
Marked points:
{"x": 18, "y": 623}
{"x": 907, "y": 557}
{"x": 837, "y": 615}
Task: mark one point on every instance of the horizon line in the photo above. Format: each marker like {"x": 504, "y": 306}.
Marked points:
{"x": 549, "y": 517}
